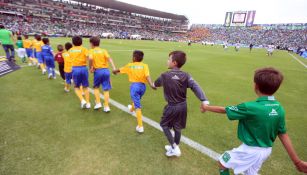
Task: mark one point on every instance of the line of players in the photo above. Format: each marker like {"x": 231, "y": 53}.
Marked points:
{"x": 260, "y": 121}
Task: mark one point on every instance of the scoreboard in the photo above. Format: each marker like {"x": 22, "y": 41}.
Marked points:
{"x": 239, "y": 18}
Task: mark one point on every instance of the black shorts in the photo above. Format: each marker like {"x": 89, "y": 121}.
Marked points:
{"x": 174, "y": 116}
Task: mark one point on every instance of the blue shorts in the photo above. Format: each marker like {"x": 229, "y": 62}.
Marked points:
{"x": 137, "y": 90}
{"x": 29, "y": 52}
{"x": 80, "y": 76}
{"x": 39, "y": 57}
{"x": 68, "y": 77}
{"x": 49, "y": 62}
{"x": 102, "y": 77}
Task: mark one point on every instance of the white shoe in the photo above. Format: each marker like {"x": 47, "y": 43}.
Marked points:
{"x": 173, "y": 152}
{"x": 139, "y": 129}
{"x": 88, "y": 106}
{"x": 49, "y": 76}
{"x": 106, "y": 109}
{"x": 83, "y": 104}
{"x": 97, "y": 106}
{"x": 130, "y": 108}
{"x": 66, "y": 90}
{"x": 54, "y": 77}
{"x": 167, "y": 147}
{"x": 30, "y": 64}
{"x": 44, "y": 72}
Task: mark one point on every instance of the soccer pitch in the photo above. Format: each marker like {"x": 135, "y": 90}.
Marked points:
{"x": 43, "y": 131}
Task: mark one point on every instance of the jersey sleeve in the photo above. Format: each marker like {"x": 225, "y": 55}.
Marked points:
{"x": 125, "y": 69}
{"x": 158, "y": 82}
{"x": 90, "y": 54}
{"x": 237, "y": 112}
{"x": 146, "y": 70}
{"x": 86, "y": 52}
{"x": 106, "y": 54}
{"x": 193, "y": 85}
{"x": 282, "y": 126}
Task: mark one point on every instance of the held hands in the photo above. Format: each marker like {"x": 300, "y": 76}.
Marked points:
{"x": 153, "y": 86}
{"x": 301, "y": 166}
{"x": 203, "y": 107}
{"x": 115, "y": 71}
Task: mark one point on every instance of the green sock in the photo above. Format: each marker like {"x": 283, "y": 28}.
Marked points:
{"x": 224, "y": 172}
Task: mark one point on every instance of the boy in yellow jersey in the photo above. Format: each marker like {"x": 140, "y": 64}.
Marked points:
{"x": 138, "y": 74}
{"x": 98, "y": 61}
{"x": 37, "y": 45}
{"x": 79, "y": 56}
{"x": 27, "y": 44}
{"x": 67, "y": 67}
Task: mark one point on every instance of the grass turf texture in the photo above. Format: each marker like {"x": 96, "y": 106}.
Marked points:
{"x": 43, "y": 131}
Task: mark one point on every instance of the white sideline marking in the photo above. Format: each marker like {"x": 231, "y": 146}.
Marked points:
{"x": 298, "y": 60}
{"x": 207, "y": 151}
{"x": 130, "y": 50}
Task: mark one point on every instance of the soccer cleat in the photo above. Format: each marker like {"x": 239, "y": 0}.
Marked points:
{"x": 139, "y": 129}
{"x": 173, "y": 152}
{"x": 167, "y": 147}
{"x": 88, "y": 106}
{"x": 54, "y": 77}
{"x": 97, "y": 106}
{"x": 49, "y": 76}
{"x": 130, "y": 108}
{"x": 44, "y": 72}
{"x": 66, "y": 90}
{"x": 106, "y": 109}
{"x": 83, "y": 104}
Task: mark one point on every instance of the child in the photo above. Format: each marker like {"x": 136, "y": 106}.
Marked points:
{"x": 98, "y": 61}
{"x": 138, "y": 74}
{"x": 47, "y": 55}
{"x": 20, "y": 50}
{"x": 79, "y": 55}
{"x": 37, "y": 45}
{"x": 175, "y": 83}
{"x": 260, "y": 122}
{"x": 59, "y": 58}
{"x": 67, "y": 67}
{"x": 27, "y": 44}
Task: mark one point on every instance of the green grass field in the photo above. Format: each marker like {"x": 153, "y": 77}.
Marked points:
{"x": 44, "y": 132}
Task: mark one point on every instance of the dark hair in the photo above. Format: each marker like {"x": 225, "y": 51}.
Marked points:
{"x": 77, "y": 40}
{"x": 268, "y": 80}
{"x": 95, "y": 40}
{"x": 179, "y": 57}
{"x": 26, "y": 36}
{"x": 60, "y": 48}
{"x": 138, "y": 55}
{"x": 19, "y": 37}
{"x": 68, "y": 45}
{"x": 38, "y": 37}
{"x": 2, "y": 26}
{"x": 45, "y": 40}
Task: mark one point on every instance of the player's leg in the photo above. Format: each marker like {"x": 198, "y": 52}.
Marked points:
{"x": 85, "y": 84}
{"x": 136, "y": 98}
{"x": 106, "y": 85}
{"x": 222, "y": 169}
{"x": 97, "y": 82}
{"x": 76, "y": 74}
{"x": 68, "y": 77}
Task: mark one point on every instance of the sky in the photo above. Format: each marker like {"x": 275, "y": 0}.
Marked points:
{"x": 213, "y": 11}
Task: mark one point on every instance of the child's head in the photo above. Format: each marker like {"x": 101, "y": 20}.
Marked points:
{"x": 95, "y": 41}
{"x": 26, "y": 36}
{"x": 46, "y": 41}
{"x": 60, "y": 48}
{"x": 176, "y": 59}
{"x": 19, "y": 37}
{"x": 138, "y": 56}
{"x": 68, "y": 45}
{"x": 38, "y": 37}
{"x": 77, "y": 40}
{"x": 267, "y": 80}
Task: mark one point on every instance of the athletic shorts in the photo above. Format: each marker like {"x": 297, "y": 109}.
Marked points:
{"x": 29, "y": 52}
{"x": 49, "y": 62}
{"x": 245, "y": 159}
{"x": 137, "y": 90}
{"x": 21, "y": 52}
{"x": 174, "y": 116}
{"x": 39, "y": 57}
{"x": 68, "y": 77}
{"x": 80, "y": 76}
{"x": 102, "y": 77}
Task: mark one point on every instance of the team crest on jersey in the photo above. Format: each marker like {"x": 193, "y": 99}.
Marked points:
{"x": 233, "y": 108}
{"x": 175, "y": 77}
{"x": 226, "y": 157}
{"x": 273, "y": 113}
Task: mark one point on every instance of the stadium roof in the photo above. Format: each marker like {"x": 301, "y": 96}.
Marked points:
{"x": 117, "y": 5}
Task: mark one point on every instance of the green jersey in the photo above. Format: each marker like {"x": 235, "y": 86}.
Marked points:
{"x": 5, "y": 37}
{"x": 260, "y": 121}
{"x": 19, "y": 44}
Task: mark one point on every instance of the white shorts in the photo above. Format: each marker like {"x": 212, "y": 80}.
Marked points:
{"x": 270, "y": 50}
{"x": 245, "y": 159}
{"x": 21, "y": 52}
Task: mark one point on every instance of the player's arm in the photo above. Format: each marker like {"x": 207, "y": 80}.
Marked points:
{"x": 193, "y": 85}
{"x": 158, "y": 82}
{"x": 112, "y": 63}
{"x": 216, "y": 109}
{"x": 151, "y": 84}
{"x": 12, "y": 37}
{"x": 286, "y": 141}
{"x": 90, "y": 64}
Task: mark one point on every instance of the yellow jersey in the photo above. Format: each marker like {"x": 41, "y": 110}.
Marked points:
{"x": 27, "y": 44}
{"x": 78, "y": 54}
{"x": 137, "y": 72}
{"x": 67, "y": 62}
{"x": 100, "y": 57}
{"x": 37, "y": 45}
